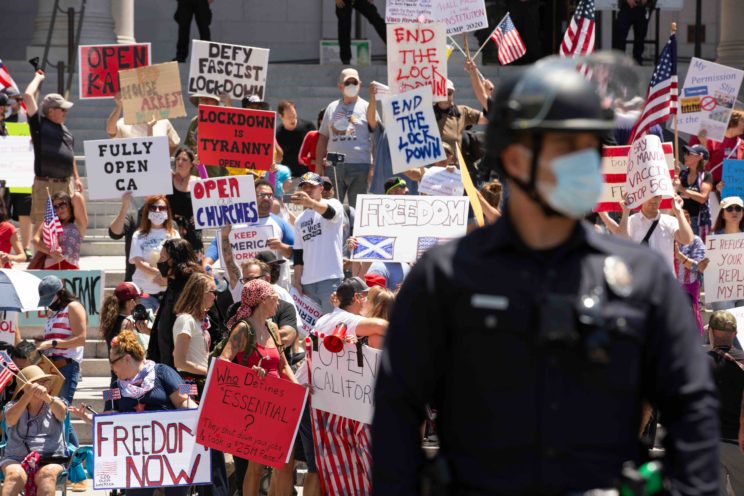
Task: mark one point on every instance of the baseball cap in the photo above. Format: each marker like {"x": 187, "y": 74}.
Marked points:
{"x": 698, "y": 150}
{"x": 128, "y": 291}
{"x": 194, "y": 99}
{"x": 348, "y": 73}
{"x": 732, "y": 200}
{"x": 311, "y": 178}
{"x": 724, "y": 321}
{"x": 269, "y": 257}
{"x": 55, "y": 100}
{"x": 375, "y": 280}
{"x": 48, "y": 287}
{"x": 351, "y": 286}
{"x": 394, "y": 182}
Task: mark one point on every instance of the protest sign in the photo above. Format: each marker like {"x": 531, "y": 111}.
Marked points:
{"x": 460, "y": 16}
{"x": 707, "y": 98}
{"x": 17, "y": 161}
{"x": 148, "y": 450}
{"x": 402, "y": 228}
{"x": 733, "y": 178}
{"x": 307, "y": 309}
{"x": 87, "y": 285}
{"x": 248, "y": 416}
{"x": 738, "y": 313}
{"x": 648, "y": 172}
{"x": 412, "y": 130}
{"x": 100, "y": 65}
{"x": 217, "y": 68}
{"x": 137, "y": 165}
{"x": 151, "y": 92}
{"x": 224, "y": 200}
{"x": 235, "y": 137}
{"x": 724, "y": 277}
{"x": 417, "y": 56}
{"x": 8, "y": 327}
{"x": 401, "y": 11}
{"x": 18, "y": 129}
{"x": 340, "y": 385}
{"x": 247, "y": 241}
{"x": 439, "y": 181}
{"x": 615, "y": 171}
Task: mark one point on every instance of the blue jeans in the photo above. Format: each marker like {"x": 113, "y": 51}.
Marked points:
{"x": 349, "y": 179}
{"x": 321, "y": 292}
{"x": 71, "y": 373}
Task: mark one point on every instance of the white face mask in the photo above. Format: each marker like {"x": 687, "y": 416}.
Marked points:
{"x": 351, "y": 90}
{"x": 157, "y": 218}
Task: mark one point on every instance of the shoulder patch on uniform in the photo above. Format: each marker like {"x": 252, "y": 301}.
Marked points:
{"x": 618, "y": 276}
{"x": 491, "y": 302}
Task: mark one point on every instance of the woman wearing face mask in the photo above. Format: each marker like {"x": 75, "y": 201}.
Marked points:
{"x": 180, "y": 199}
{"x": 73, "y": 216}
{"x": 730, "y": 220}
{"x": 116, "y": 312}
{"x": 156, "y": 226}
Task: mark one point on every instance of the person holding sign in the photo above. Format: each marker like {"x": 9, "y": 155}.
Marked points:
{"x": 453, "y": 119}
{"x": 180, "y": 199}
{"x": 695, "y": 185}
{"x": 730, "y": 220}
{"x": 116, "y": 128}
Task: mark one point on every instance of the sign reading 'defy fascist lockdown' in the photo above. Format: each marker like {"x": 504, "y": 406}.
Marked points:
{"x": 401, "y": 228}
{"x": 148, "y": 450}
{"x": 412, "y": 130}
{"x": 307, "y": 309}
{"x": 217, "y": 68}
{"x": 648, "y": 172}
{"x": 220, "y": 201}
{"x": 137, "y": 165}
{"x": 724, "y": 277}
{"x": 460, "y": 16}
{"x": 417, "y": 56}
{"x": 151, "y": 92}
{"x": 100, "y": 66}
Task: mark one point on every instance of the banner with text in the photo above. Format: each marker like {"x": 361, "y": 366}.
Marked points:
{"x": 733, "y": 178}
{"x": 417, "y": 56}
{"x": 724, "y": 277}
{"x": 151, "y": 92}
{"x": 307, "y": 309}
{"x": 402, "y": 228}
{"x": 460, "y": 16}
{"x": 224, "y": 200}
{"x": 140, "y": 166}
{"x": 87, "y": 285}
{"x": 707, "y": 98}
{"x": 402, "y": 11}
{"x": 615, "y": 172}
{"x": 235, "y": 137}
{"x": 238, "y": 71}
{"x": 340, "y": 385}
{"x": 648, "y": 172}
{"x": 100, "y": 65}
{"x": 412, "y": 130}
{"x": 17, "y": 161}
{"x": 248, "y": 416}
{"x": 148, "y": 450}
{"x": 440, "y": 181}
{"x": 247, "y": 241}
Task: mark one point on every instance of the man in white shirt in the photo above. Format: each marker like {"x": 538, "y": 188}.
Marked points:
{"x": 352, "y": 294}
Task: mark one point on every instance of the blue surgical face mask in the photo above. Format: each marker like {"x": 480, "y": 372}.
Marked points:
{"x": 578, "y": 183}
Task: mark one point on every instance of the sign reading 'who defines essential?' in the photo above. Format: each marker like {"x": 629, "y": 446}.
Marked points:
{"x": 217, "y": 68}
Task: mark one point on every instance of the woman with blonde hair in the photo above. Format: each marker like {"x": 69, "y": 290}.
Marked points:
{"x": 379, "y": 304}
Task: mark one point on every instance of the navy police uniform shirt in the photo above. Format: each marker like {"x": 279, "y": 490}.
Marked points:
{"x": 516, "y": 416}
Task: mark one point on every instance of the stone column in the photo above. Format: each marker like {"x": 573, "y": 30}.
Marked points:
{"x": 123, "y": 12}
{"x": 731, "y": 44}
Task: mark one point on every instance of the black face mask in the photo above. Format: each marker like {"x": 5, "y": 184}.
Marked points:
{"x": 55, "y": 304}
{"x": 164, "y": 268}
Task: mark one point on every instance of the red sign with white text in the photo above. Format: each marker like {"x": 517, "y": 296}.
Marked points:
{"x": 100, "y": 65}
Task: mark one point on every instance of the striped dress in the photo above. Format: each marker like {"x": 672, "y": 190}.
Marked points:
{"x": 58, "y": 327}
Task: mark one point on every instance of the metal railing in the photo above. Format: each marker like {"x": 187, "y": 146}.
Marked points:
{"x": 73, "y": 39}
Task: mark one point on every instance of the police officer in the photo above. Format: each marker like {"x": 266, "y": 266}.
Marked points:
{"x": 537, "y": 339}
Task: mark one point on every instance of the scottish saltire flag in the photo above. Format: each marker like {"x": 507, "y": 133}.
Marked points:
{"x": 375, "y": 247}
{"x": 188, "y": 388}
{"x": 426, "y": 242}
{"x": 111, "y": 394}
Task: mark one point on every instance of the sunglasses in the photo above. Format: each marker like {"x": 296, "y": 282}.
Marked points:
{"x": 266, "y": 195}
{"x": 57, "y": 206}
{"x": 246, "y": 280}
{"x": 733, "y": 208}
{"x": 351, "y": 81}
{"x": 158, "y": 208}
{"x": 213, "y": 291}
{"x": 116, "y": 359}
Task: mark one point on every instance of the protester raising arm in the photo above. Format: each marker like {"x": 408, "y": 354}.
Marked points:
{"x": 29, "y": 96}
{"x": 479, "y": 89}
{"x": 228, "y": 262}
{"x": 620, "y": 229}
{"x": 684, "y": 234}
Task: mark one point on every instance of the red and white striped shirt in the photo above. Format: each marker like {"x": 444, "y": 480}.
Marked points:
{"x": 58, "y": 327}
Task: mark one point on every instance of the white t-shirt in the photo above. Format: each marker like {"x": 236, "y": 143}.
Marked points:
{"x": 346, "y": 127}
{"x": 148, "y": 247}
{"x": 662, "y": 239}
{"x": 198, "y": 345}
{"x": 328, "y": 322}
{"x": 163, "y": 127}
{"x": 321, "y": 242}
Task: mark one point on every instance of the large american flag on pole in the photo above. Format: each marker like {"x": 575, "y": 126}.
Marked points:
{"x": 579, "y": 37}
{"x": 6, "y": 81}
{"x": 52, "y": 226}
{"x": 661, "y": 97}
{"x": 508, "y": 41}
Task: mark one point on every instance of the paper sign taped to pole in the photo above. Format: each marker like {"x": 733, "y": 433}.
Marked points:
{"x": 220, "y": 201}
{"x": 100, "y": 65}
{"x": 648, "y": 172}
{"x": 151, "y": 92}
{"x": 307, "y": 309}
{"x": 460, "y": 16}
{"x": 724, "y": 277}
{"x": 440, "y": 181}
{"x": 417, "y": 56}
{"x": 217, "y": 68}
{"x": 17, "y": 161}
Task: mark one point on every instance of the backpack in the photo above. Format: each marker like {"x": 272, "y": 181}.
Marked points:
{"x": 250, "y": 345}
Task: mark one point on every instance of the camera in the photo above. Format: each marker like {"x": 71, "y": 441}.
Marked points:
{"x": 139, "y": 313}
{"x": 335, "y": 158}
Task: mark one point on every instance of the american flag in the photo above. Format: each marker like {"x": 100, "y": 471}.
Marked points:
{"x": 508, "y": 41}
{"x": 52, "y": 227}
{"x": 6, "y": 81}
{"x": 661, "y": 97}
{"x": 5, "y": 377}
{"x": 5, "y": 359}
{"x": 111, "y": 394}
{"x": 579, "y": 37}
{"x": 188, "y": 388}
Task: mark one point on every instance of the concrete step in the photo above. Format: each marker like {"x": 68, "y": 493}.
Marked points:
{"x": 95, "y": 367}
{"x": 95, "y": 347}
{"x": 102, "y": 248}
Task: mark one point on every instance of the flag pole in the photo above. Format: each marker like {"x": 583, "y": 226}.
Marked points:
{"x": 457, "y": 46}
{"x": 676, "y": 131}
{"x": 465, "y": 42}
{"x": 489, "y": 37}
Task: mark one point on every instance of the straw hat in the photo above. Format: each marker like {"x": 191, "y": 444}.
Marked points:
{"x": 32, "y": 374}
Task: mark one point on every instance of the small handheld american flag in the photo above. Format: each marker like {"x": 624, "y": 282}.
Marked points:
{"x": 52, "y": 227}
{"x": 111, "y": 394}
{"x": 188, "y": 388}
{"x": 5, "y": 358}
{"x": 507, "y": 39}
{"x": 5, "y": 377}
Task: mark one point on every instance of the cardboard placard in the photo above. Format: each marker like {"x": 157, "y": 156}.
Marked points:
{"x": 247, "y": 241}
{"x": 340, "y": 386}
{"x": 217, "y": 68}
{"x": 402, "y": 228}
{"x": 615, "y": 171}
{"x": 412, "y": 130}
{"x": 417, "y": 56}
{"x": 307, "y": 309}
{"x": 224, "y": 200}
{"x": 137, "y": 165}
{"x": 460, "y": 16}
{"x": 99, "y": 67}
{"x": 400, "y": 11}
{"x": 235, "y": 137}
{"x": 87, "y": 285}
{"x": 725, "y": 273}
{"x": 17, "y": 161}
{"x": 707, "y": 98}
{"x": 439, "y": 181}
{"x": 250, "y": 417}
{"x": 648, "y": 172}
{"x": 148, "y": 450}
{"x": 151, "y": 92}
{"x": 733, "y": 178}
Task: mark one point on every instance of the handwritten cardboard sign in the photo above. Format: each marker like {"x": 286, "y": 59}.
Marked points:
{"x": 615, "y": 171}
{"x": 17, "y": 161}
{"x": 412, "y": 130}
{"x": 308, "y": 311}
{"x": 724, "y": 277}
{"x": 217, "y": 68}
{"x": 439, "y": 181}
{"x": 247, "y": 241}
{"x": 707, "y": 98}
{"x": 87, "y": 285}
{"x": 417, "y": 56}
{"x": 137, "y": 165}
{"x": 148, "y": 449}
{"x": 224, "y": 200}
{"x": 100, "y": 66}
{"x": 8, "y": 327}
{"x": 341, "y": 386}
{"x": 235, "y": 137}
{"x": 400, "y": 11}
{"x": 250, "y": 417}
{"x": 460, "y": 16}
{"x": 733, "y": 178}
{"x": 648, "y": 172}
{"x": 151, "y": 92}
{"x": 402, "y": 228}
